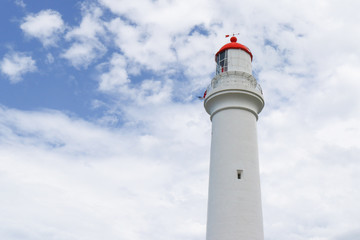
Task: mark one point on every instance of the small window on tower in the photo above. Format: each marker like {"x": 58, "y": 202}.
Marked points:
{"x": 239, "y": 174}
{"x": 221, "y": 62}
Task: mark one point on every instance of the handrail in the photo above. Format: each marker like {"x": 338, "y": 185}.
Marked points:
{"x": 235, "y": 79}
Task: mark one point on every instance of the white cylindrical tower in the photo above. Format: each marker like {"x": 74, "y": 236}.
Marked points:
{"x": 234, "y": 99}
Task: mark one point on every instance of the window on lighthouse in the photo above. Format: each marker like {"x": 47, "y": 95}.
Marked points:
{"x": 221, "y": 62}
{"x": 239, "y": 174}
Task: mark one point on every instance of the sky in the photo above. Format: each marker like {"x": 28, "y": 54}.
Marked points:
{"x": 102, "y": 135}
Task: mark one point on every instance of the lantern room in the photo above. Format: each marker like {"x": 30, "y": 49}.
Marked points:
{"x": 233, "y": 56}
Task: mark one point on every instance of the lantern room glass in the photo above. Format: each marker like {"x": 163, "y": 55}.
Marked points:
{"x": 221, "y": 62}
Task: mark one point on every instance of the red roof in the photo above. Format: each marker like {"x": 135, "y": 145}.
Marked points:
{"x": 234, "y": 45}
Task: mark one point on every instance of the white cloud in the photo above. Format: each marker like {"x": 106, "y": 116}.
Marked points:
{"x": 86, "y": 46}
{"x": 154, "y": 13}
{"x": 49, "y": 58}
{"x": 147, "y": 39}
{"x": 75, "y": 179}
{"x": 116, "y": 78}
{"x": 46, "y": 26}
{"x": 84, "y": 53}
{"x": 16, "y": 64}
{"x": 91, "y": 26}
{"x": 20, "y": 3}
{"x": 116, "y": 81}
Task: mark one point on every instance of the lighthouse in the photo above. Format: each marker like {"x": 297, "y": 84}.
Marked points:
{"x": 233, "y": 100}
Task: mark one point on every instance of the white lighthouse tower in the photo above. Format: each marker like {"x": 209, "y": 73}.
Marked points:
{"x": 233, "y": 100}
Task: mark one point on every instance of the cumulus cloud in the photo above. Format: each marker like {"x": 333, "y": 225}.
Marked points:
{"x": 117, "y": 76}
{"x": 16, "y": 64}
{"x": 49, "y": 58}
{"x": 81, "y": 54}
{"x": 150, "y": 41}
{"x": 98, "y": 177}
{"x": 175, "y": 46}
{"x": 46, "y": 26}
{"x": 86, "y": 46}
{"x": 20, "y": 3}
{"x": 115, "y": 80}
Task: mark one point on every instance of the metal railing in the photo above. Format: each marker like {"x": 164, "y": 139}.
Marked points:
{"x": 236, "y": 80}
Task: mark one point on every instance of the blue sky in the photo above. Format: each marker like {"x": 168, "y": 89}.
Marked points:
{"x": 102, "y": 135}
{"x": 51, "y": 86}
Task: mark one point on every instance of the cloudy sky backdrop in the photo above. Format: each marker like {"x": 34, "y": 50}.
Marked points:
{"x": 102, "y": 135}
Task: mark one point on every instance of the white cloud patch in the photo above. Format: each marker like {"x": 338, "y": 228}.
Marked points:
{"x": 115, "y": 80}
{"x": 75, "y": 179}
{"x": 116, "y": 77}
{"x": 20, "y": 3}
{"x": 164, "y": 46}
{"x": 86, "y": 46}
{"x": 16, "y": 64}
{"x": 81, "y": 54}
{"x": 46, "y": 26}
{"x": 49, "y": 58}
{"x": 139, "y": 45}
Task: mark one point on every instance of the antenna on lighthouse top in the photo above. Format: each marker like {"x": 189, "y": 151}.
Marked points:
{"x": 237, "y": 34}
{"x": 233, "y": 38}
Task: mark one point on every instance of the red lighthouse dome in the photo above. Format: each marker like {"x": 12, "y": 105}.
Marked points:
{"x": 234, "y": 45}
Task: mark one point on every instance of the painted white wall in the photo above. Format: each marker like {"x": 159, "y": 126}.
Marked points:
{"x": 234, "y": 205}
{"x": 239, "y": 60}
